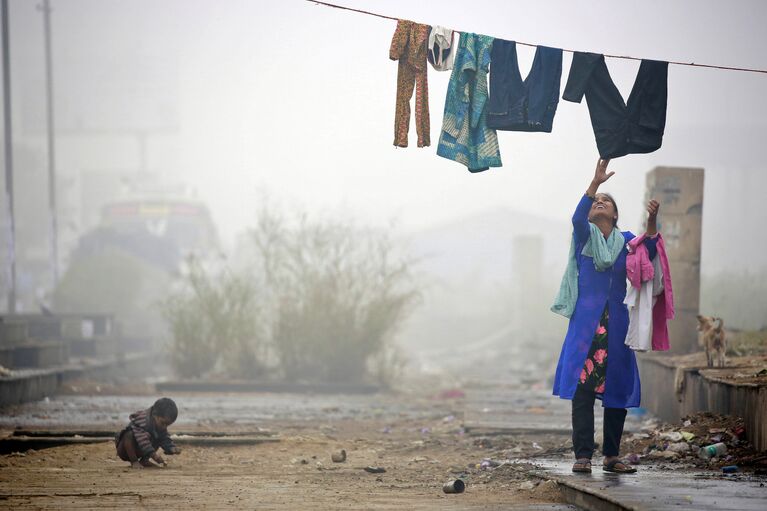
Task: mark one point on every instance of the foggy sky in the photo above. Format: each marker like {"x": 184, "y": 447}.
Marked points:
{"x": 298, "y": 99}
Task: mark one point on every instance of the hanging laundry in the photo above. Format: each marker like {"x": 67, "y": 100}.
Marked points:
{"x": 647, "y": 267}
{"x": 621, "y": 128}
{"x": 408, "y": 45}
{"x": 465, "y": 136}
{"x": 441, "y": 48}
{"x": 523, "y": 105}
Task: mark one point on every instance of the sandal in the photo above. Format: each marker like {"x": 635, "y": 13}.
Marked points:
{"x": 618, "y": 467}
{"x": 582, "y": 465}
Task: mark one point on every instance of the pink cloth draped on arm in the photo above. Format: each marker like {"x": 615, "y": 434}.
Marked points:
{"x": 639, "y": 269}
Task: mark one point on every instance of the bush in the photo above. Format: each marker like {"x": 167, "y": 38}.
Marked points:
{"x": 338, "y": 294}
{"x": 213, "y": 318}
{"x": 319, "y": 300}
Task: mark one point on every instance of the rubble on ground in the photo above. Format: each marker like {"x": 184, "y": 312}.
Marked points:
{"x": 681, "y": 443}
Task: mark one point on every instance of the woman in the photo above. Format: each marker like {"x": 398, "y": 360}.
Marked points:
{"x": 595, "y": 363}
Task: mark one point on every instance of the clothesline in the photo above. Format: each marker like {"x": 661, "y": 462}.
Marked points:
{"x": 626, "y": 57}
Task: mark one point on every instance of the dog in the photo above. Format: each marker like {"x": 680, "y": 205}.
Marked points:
{"x": 713, "y": 339}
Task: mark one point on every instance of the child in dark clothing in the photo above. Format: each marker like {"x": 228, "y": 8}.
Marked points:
{"x": 147, "y": 431}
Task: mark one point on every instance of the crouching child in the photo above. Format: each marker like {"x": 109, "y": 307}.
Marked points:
{"x": 146, "y": 432}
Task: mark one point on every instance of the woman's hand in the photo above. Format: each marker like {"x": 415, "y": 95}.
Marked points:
{"x": 652, "y": 217}
{"x": 600, "y": 176}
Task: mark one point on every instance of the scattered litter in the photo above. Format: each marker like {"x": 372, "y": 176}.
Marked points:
{"x": 698, "y": 430}
{"x": 483, "y": 443}
{"x": 678, "y": 447}
{"x": 374, "y": 470}
{"x": 449, "y": 418}
{"x": 527, "y": 485}
{"x": 663, "y": 455}
{"x": 730, "y": 469}
{"x": 451, "y": 394}
{"x": 712, "y": 451}
{"x": 456, "y": 486}
{"x": 673, "y": 436}
{"x": 536, "y": 446}
{"x": 633, "y": 459}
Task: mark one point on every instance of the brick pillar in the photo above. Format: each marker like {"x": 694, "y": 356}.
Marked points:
{"x": 680, "y": 192}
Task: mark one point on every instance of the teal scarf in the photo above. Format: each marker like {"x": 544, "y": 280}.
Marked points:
{"x": 603, "y": 251}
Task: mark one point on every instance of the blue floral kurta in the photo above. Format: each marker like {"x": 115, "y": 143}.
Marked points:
{"x": 465, "y": 136}
{"x": 595, "y": 289}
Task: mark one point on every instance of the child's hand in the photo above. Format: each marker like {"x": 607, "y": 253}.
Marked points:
{"x": 173, "y": 450}
{"x": 158, "y": 459}
{"x": 136, "y": 464}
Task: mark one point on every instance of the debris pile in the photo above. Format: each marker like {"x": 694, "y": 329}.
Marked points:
{"x": 703, "y": 440}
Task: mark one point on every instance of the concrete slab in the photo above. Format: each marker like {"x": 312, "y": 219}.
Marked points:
{"x": 258, "y": 386}
{"x": 26, "y": 385}
{"x": 23, "y": 443}
{"x": 654, "y": 489}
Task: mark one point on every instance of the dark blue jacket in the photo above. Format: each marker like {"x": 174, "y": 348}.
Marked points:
{"x": 523, "y": 105}
{"x": 621, "y": 128}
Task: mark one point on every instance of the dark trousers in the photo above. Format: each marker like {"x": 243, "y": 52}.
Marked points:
{"x": 583, "y": 426}
{"x": 127, "y": 447}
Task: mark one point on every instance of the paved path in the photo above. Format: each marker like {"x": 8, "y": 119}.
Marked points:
{"x": 655, "y": 489}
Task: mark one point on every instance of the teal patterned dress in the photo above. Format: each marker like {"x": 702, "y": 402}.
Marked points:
{"x": 465, "y": 136}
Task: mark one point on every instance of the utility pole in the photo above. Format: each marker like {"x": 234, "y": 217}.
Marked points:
{"x": 54, "y": 227}
{"x": 11, "y": 224}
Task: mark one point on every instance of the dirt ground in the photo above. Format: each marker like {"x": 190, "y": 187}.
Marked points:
{"x": 295, "y": 473}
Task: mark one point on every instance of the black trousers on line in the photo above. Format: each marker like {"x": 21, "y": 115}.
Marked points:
{"x": 583, "y": 426}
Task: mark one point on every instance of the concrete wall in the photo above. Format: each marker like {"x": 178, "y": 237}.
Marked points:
{"x": 680, "y": 192}
{"x": 25, "y": 388}
{"x": 674, "y": 392}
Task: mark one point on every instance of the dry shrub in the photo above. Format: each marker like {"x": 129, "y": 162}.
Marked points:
{"x": 338, "y": 293}
{"x": 213, "y": 319}
{"x": 317, "y": 300}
